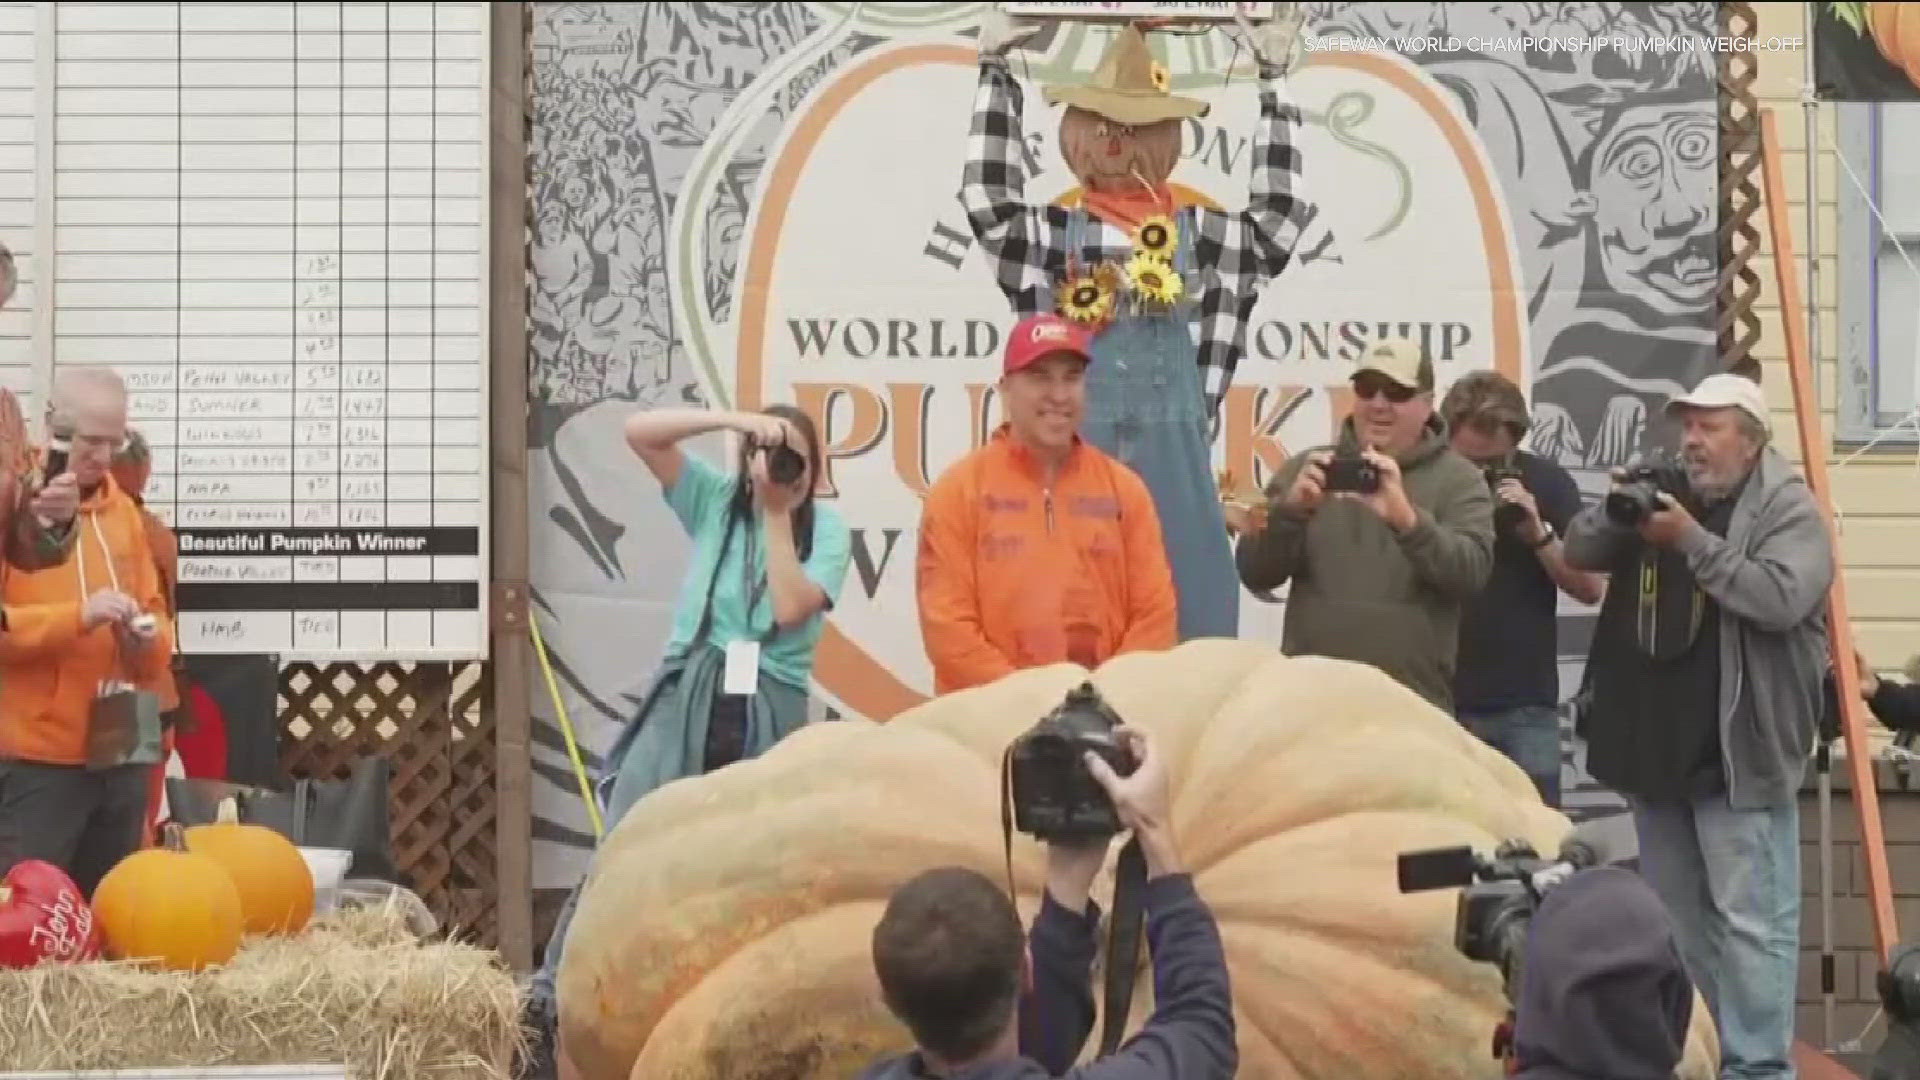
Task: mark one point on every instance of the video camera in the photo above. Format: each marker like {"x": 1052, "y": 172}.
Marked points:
{"x": 1500, "y": 894}
{"x": 1637, "y": 494}
{"x": 1054, "y": 796}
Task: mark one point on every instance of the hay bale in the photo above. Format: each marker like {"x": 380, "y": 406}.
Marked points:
{"x": 357, "y": 986}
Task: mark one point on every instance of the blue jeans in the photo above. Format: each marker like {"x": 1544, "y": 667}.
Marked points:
{"x": 1530, "y": 737}
{"x": 1731, "y": 880}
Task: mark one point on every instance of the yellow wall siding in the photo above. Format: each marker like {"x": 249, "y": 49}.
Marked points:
{"x": 1878, "y": 494}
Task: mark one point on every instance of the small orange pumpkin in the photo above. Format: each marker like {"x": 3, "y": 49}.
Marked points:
{"x": 274, "y": 881}
{"x": 170, "y": 908}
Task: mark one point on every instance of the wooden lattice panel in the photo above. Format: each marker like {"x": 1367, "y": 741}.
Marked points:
{"x": 1741, "y": 204}
{"x": 434, "y": 726}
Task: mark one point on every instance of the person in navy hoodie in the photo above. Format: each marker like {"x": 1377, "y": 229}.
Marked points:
{"x": 1604, "y": 994}
{"x": 952, "y": 963}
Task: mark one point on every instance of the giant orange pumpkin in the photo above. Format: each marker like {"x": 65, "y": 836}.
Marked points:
{"x": 273, "y": 879}
{"x": 728, "y": 920}
{"x": 172, "y": 909}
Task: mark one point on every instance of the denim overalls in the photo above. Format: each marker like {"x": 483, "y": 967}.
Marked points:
{"x": 1144, "y": 407}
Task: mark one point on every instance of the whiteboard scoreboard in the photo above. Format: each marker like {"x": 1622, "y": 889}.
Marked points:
{"x": 271, "y": 218}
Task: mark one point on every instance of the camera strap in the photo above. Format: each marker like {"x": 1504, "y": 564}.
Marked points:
{"x": 1126, "y": 930}
{"x": 754, "y": 589}
{"x": 1126, "y": 923}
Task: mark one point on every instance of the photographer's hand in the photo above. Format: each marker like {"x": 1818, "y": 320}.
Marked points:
{"x": 1309, "y": 488}
{"x": 1390, "y": 501}
{"x": 1869, "y": 679}
{"x": 1071, "y": 869}
{"x": 1515, "y": 493}
{"x": 57, "y": 502}
{"x": 1142, "y": 801}
{"x": 1665, "y": 526}
{"x": 764, "y": 430}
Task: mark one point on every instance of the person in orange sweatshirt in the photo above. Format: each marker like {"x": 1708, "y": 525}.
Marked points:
{"x": 1038, "y": 548}
{"x": 84, "y": 659}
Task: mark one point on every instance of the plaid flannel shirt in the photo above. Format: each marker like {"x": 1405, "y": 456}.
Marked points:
{"x": 1234, "y": 253}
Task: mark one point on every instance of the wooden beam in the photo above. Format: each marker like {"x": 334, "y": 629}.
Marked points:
{"x": 510, "y": 664}
{"x": 1813, "y": 461}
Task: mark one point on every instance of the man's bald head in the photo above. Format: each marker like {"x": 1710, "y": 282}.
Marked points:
{"x": 79, "y": 388}
{"x": 90, "y": 403}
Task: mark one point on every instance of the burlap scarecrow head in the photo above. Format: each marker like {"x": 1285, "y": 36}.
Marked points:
{"x": 1122, "y": 127}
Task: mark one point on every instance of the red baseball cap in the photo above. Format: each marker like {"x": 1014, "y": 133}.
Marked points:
{"x": 1043, "y": 335}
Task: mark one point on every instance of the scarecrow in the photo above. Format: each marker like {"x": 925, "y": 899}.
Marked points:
{"x": 1165, "y": 285}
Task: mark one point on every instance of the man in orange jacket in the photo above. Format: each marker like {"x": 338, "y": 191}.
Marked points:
{"x": 1038, "y": 548}
{"x": 84, "y": 655}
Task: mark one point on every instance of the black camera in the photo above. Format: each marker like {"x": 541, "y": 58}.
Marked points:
{"x": 1638, "y": 494}
{"x": 1506, "y": 516}
{"x": 1498, "y": 898}
{"x": 1499, "y": 895}
{"x": 1898, "y": 1057}
{"x": 1054, "y": 795}
{"x": 1351, "y": 472}
{"x": 784, "y": 463}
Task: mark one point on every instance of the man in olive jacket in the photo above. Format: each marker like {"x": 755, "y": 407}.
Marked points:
{"x": 1379, "y": 578}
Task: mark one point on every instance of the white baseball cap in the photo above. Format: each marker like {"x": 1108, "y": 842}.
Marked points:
{"x": 1727, "y": 391}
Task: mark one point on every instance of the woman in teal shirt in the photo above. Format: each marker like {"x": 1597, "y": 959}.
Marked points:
{"x": 768, "y": 562}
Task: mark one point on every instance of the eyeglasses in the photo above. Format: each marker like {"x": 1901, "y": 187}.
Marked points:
{"x": 1365, "y": 387}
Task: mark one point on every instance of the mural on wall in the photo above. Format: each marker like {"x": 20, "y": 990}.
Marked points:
{"x": 744, "y": 203}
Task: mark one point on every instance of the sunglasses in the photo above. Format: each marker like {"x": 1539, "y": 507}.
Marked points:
{"x": 1482, "y": 423}
{"x": 1365, "y": 387}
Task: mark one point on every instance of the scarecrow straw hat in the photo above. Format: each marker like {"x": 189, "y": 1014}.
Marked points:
{"x": 1122, "y": 88}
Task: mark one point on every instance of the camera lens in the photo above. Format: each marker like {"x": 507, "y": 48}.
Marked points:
{"x": 1630, "y": 505}
{"x": 784, "y": 464}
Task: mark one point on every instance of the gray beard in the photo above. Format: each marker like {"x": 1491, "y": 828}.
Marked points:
{"x": 1712, "y": 489}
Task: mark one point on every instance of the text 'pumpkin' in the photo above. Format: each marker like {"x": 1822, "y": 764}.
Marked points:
{"x": 728, "y": 921}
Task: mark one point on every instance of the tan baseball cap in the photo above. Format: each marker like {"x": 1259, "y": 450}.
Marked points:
{"x": 1727, "y": 391}
{"x": 1400, "y": 359}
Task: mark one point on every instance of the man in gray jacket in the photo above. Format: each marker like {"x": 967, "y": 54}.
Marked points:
{"x": 1705, "y": 686}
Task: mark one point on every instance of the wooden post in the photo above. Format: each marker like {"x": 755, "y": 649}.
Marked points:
{"x": 510, "y": 663}
{"x": 1813, "y": 461}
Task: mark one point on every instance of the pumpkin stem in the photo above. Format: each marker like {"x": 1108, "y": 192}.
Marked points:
{"x": 229, "y": 812}
{"x": 173, "y": 837}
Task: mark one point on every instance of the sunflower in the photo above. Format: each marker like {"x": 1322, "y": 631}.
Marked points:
{"x": 1156, "y": 237}
{"x": 1158, "y": 73}
{"x": 1154, "y": 280}
{"x": 1083, "y": 300}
